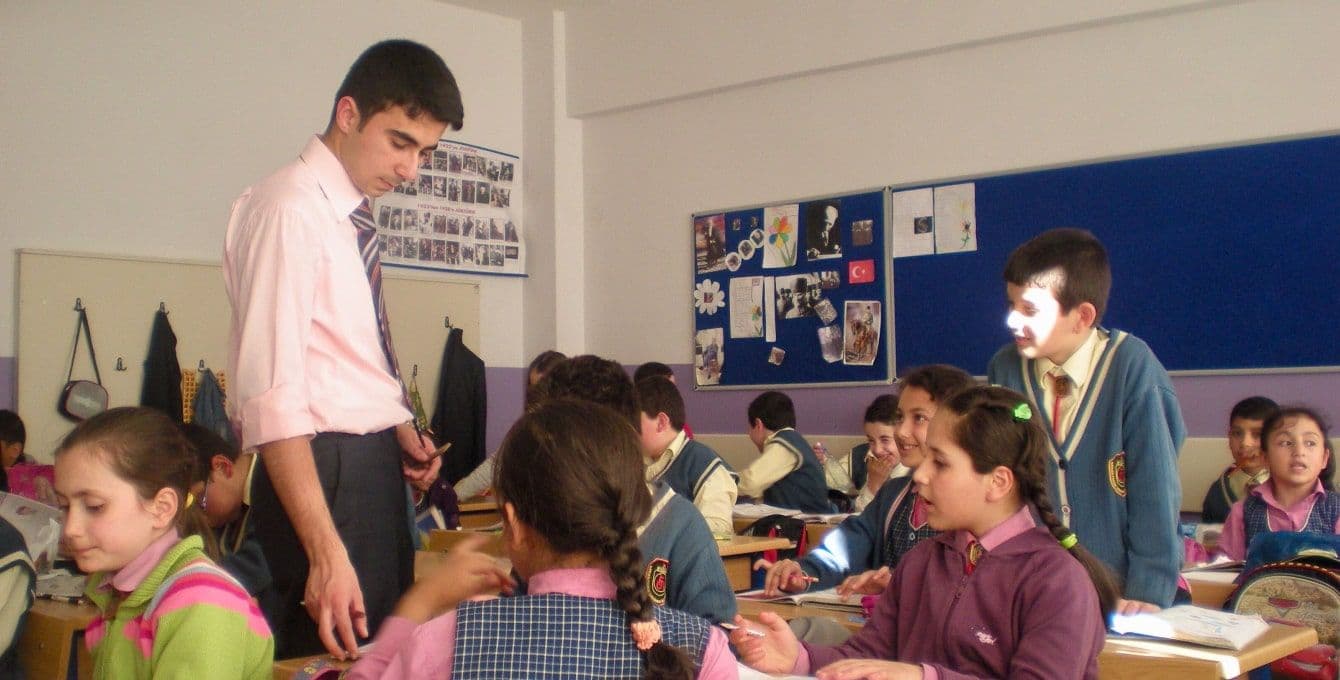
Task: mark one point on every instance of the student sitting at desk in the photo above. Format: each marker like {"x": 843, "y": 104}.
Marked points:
{"x": 165, "y": 609}
{"x": 1300, "y": 494}
{"x": 1249, "y": 466}
{"x": 786, "y": 474}
{"x": 572, "y": 534}
{"x": 689, "y": 466}
{"x": 683, "y": 567}
{"x": 878, "y": 456}
{"x": 867, "y": 546}
{"x": 996, "y": 595}
{"x": 16, "y": 596}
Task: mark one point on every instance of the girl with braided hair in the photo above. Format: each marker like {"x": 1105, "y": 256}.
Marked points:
{"x": 1005, "y": 591}
{"x": 570, "y": 488}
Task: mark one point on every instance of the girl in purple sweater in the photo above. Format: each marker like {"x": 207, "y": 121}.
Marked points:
{"x": 1004, "y": 592}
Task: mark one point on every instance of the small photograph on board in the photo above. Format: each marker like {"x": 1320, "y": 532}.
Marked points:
{"x": 913, "y": 223}
{"x": 797, "y": 295}
{"x": 709, "y": 243}
{"x": 823, "y": 236}
{"x": 829, "y": 279}
{"x": 862, "y": 322}
{"x": 830, "y": 343}
{"x": 780, "y": 238}
{"x": 746, "y": 249}
{"x": 826, "y": 312}
{"x": 756, "y": 236}
{"x": 776, "y": 356}
{"x": 956, "y": 218}
{"x": 862, "y": 232}
{"x": 709, "y": 356}
{"x": 746, "y": 307}
{"x": 733, "y": 261}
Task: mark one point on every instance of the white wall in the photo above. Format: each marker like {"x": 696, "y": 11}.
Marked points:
{"x": 1212, "y": 74}
{"x": 128, "y": 128}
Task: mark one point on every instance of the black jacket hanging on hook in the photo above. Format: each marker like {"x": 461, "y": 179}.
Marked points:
{"x": 162, "y": 373}
{"x": 461, "y": 410}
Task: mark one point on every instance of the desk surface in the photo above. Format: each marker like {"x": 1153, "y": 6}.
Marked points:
{"x": 49, "y": 638}
{"x": 478, "y": 504}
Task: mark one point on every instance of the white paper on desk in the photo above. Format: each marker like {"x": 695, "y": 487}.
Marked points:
{"x": 746, "y": 307}
{"x": 757, "y": 510}
{"x": 39, "y": 523}
{"x": 1189, "y": 623}
{"x": 913, "y": 223}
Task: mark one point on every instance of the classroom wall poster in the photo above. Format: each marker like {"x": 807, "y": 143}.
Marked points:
{"x": 956, "y": 218}
{"x": 461, "y": 213}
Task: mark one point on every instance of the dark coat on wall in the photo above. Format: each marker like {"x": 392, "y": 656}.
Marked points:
{"x": 461, "y": 409}
{"x": 162, "y": 373}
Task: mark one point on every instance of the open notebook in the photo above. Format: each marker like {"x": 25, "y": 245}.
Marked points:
{"x": 822, "y": 599}
{"x": 1198, "y": 625}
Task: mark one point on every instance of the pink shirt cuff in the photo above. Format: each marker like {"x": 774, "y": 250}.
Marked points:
{"x": 278, "y": 413}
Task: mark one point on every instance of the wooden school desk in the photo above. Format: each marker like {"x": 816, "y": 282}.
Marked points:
{"x": 479, "y": 512}
{"x": 52, "y": 644}
{"x": 1211, "y": 588}
{"x": 1114, "y": 662}
{"x": 814, "y": 531}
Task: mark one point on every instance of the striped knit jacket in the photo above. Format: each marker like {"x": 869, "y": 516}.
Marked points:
{"x": 187, "y": 619}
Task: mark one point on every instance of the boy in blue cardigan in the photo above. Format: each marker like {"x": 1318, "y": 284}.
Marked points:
{"x": 1108, "y": 403}
{"x": 786, "y": 474}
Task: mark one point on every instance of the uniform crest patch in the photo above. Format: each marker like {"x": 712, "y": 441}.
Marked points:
{"x": 1116, "y": 473}
{"x": 657, "y": 578}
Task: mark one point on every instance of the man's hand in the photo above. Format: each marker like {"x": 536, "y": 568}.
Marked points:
{"x": 334, "y": 600}
{"x": 420, "y": 461}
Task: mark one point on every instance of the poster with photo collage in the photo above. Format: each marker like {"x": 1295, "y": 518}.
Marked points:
{"x": 793, "y": 293}
{"x": 461, "y": 213}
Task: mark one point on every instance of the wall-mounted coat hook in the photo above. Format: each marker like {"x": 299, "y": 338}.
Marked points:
{"x": 121, "y": 364}
{"x": 162, "y": 307}
{"x": 202, "y": 365}
{"x": 78, "y": 304}
{"x": 414, "y": 373}
{"x": 446, "y": 321}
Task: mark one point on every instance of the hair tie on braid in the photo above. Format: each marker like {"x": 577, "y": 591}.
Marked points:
{"x": 190, "y": 499}
{"x": 1022, "y": 411}
{"x": 646, "y": 633}
{"x": 1070, "y": 541}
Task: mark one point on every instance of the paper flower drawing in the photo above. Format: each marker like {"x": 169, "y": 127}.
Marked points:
{"x": 707, "y": 297}
{"x": 781, "y": 238}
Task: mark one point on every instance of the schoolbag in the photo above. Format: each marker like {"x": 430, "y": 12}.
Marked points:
{"x": 1300, "y": 586}
{"x": 782, "y": 526}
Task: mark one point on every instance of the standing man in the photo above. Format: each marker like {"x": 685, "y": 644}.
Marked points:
{"x": 312, "y": 370}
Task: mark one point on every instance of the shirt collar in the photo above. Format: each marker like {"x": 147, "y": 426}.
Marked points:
{"x": 656, "y": 468}
{"x": 1015, "y": 524}
{"x": 246, "y": 484}
{"x": 1266, "y": 491}
{"x": 129, "y": 577}
{"x": 582, "y": 582}
{"x": 330, "y": 174}
{"x": 1079, "y": 367}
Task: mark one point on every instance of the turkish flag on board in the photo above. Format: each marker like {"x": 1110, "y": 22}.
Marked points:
{"x": 861, "y": 271}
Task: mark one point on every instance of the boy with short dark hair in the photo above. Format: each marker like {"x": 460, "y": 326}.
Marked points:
{"x": 690, "y": 467}
{"x": 13, "y": 436}
{"x": 786, "y": 474}
{"x": 1109, "y": 405}
{"x": 1249, "y": 465}
{"x": 224, "y": 488}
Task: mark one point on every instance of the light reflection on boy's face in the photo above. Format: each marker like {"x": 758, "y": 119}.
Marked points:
{"x": 1040, "y": 328}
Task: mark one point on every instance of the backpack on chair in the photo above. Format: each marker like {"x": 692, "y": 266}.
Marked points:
{"x": 779, "y": 526}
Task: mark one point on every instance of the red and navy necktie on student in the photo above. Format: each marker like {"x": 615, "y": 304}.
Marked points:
{"x": 372, "y": 264}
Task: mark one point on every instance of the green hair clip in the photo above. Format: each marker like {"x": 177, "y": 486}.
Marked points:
{"x": 1070, "y": 541}
{"x": 1022, "y": 411}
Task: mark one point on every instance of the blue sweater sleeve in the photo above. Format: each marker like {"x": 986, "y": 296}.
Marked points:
{"x": 1153, "y": 434}
{"x": 854, "y": 546}
{"x": 698, "y": 583}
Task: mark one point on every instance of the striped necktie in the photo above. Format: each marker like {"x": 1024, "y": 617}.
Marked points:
{"x": 372, "y": 264}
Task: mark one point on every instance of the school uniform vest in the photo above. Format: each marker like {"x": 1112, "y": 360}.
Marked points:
{"x": 1321, "y": 520}
{"x": 900, "y": 536}
{"x": 560, "y": 636}
{"x": 694, "y": 464}
{"x": 14, "y": 555}
{"x": 805, "y": 488}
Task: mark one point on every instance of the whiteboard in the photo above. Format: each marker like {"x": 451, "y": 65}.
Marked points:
{"x": 122, "y": 294}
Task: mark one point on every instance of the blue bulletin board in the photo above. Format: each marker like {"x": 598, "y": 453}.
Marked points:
{"x": 1222, "y": 260}
{"x": 794, "y": 293}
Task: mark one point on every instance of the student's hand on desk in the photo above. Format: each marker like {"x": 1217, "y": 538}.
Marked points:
{"x": 465, "y": 573}
{"x": 334, "y": 600}
{"x": 774, "y": 652}
{"x": 866, "y": 583}
{"x": 1129, "y": 607}
{"x": 786, "y": 576}
{"x": 869, "y": 669}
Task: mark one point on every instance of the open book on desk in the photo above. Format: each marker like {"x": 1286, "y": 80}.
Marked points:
{"x": 1198, "y": 625}
{"x": 821, "y": 599}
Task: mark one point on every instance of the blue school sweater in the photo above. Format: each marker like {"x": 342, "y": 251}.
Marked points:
{"x": 804, "y": 488}
{"x": 683, "y": 566}
{"x": 860, "y": 542}
{"x": 694, "y": 464}
{"x": 1113, "y": 477}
